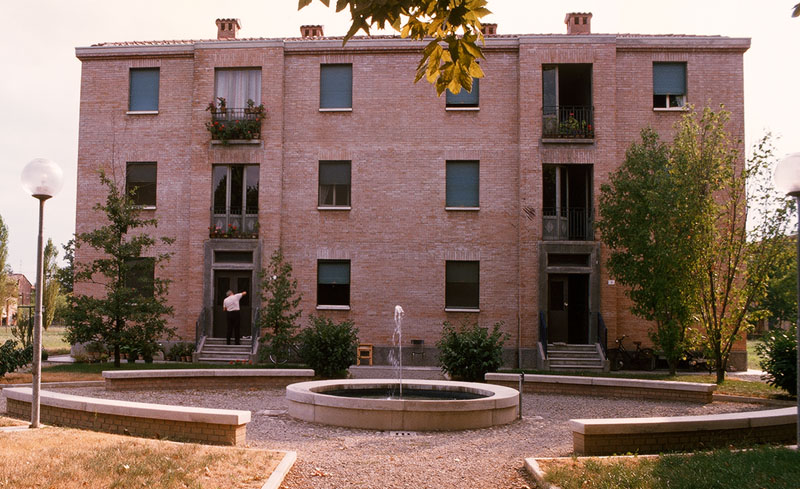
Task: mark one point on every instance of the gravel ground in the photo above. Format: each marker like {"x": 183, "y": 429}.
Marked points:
{"x": 331, "y": 457}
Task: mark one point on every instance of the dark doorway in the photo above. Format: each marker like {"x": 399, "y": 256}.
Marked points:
{"x": 237, "y": 281}
{"x": 568, "y": 308}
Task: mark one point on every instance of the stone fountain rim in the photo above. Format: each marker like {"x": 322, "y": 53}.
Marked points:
{"x": 312, "y": 393}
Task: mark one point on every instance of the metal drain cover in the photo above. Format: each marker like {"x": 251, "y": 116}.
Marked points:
{"x": 402, "y": 433}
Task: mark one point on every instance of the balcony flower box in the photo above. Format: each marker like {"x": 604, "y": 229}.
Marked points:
{"x": 229, "y": 124}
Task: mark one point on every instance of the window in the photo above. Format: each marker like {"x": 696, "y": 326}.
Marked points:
{"x": 461, "y": 285}
{"x": 221, "y": 256}
{"x": 140, "y": 183}
{"x": 140, "y": 276}
{"x": 336, "y": 86}
{"x": 237, "y": 86}
{"x": 143, "y": 96}
{"x": 235, "y": 194}
{"x": 333, "y": 283}
{"x": 464, "y": 98}
{"x": 462, "y": 184}
{"x": 334, "y": 184}
{"x": 669, "y": 85}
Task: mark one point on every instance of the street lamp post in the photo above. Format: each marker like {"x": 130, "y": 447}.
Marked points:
{"x": 42, "y": 179}
{"x": 787, "y": 180}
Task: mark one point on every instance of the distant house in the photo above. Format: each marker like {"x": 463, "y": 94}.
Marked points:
{"x": 24, "y": 295}
{"x": 477, "y": 206}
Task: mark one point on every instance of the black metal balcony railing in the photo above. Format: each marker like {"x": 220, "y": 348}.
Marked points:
{"x": 567, "y": 224}
{"x": 568, "y": 121}
{"x": 236, "y": 123}
{"x": 234, "y": 222}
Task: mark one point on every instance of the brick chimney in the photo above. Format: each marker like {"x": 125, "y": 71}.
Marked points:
{"x": 226, "y": 28}
{"x": 579, "y": 23}
{"x": 311, "y": 31}
{"x": 489, "y": 29}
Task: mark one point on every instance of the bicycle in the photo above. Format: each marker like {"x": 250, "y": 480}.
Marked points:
{"x": 282, "y": 350}
{"x": 640, "y": 359}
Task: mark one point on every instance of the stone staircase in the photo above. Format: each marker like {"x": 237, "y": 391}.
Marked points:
{"x": 215, "y": 350}
{"x": 565, "y": 357}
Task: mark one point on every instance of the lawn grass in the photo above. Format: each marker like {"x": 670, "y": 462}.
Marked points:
{"x": 52, "y": 339}
{"x": 763, "y": 467}
{"x": 4, "y": 421}
{"x": 73, "y": 459}
{"x": 753, "y": 358}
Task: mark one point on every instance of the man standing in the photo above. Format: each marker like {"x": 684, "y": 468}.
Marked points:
{"x": 231, "y": 307}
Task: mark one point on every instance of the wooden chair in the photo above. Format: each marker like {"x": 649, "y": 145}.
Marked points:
{"x": 364, "y": 353}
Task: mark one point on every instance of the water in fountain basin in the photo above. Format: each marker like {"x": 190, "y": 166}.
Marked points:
{"x": 396, "y": 353}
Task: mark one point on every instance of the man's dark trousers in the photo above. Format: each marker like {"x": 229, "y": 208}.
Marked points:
{"x": 233, "y": 325}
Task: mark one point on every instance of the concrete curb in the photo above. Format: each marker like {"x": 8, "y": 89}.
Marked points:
{"x": 532, "y": 466}
{"x": 281, "y": 471}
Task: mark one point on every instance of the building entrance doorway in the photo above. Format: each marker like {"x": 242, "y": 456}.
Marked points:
{"x": 237, "y": 281}
{"x": 568, "y": 308}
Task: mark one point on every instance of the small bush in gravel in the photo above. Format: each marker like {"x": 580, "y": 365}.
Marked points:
{"x": 779, "y": 353}
{"x": 328, "y": 347}
{"x": 469, "y": 352}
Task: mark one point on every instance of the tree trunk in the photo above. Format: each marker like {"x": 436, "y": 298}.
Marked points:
{"x": 116, "y": 356}
{"x": 720, "y": 367}
{"x": 673, "y": 366}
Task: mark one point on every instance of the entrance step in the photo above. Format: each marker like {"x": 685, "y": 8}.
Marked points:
{"x": 216, "y": 350}
{"x": 566, "y": 357}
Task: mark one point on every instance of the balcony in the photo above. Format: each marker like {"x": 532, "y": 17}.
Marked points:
{"x": 568, "y": 122}
{"x": 228, "y": 125}
{"x": 230, "y": 222}
{"x": 567, "y": 224}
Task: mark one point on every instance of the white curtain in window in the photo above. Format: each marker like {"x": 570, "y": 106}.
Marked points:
{"x": 236, "y": 86}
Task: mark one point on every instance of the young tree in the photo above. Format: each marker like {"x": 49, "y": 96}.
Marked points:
{"x": 652, "y": 221}
{"x": 455, "y": 23}
{"x": 780, "y": 302}
{"x": 278, "y": 319}
{"x": 52, "y": 289}
{"x": 737, "y": 258}
{"x": 132, "y": 311}
{"x": 8, "y": 289}
{"x": 65, "y": 274}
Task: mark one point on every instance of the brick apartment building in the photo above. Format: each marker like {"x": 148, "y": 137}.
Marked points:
{"x": 10, "y": 305}
{"x": 474, "y": 207}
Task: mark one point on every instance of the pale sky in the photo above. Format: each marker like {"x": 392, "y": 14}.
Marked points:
{"x": 41, "y": 82}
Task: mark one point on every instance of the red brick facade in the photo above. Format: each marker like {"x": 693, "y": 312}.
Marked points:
{"x": 398, "y": 136}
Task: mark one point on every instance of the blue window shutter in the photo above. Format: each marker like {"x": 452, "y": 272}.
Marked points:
{"x": 336, "y": 86}
{"x": 462, "y": 184}
{"x": 669, "y": 78}
{"x": 334, "y": 172}
{"x": 143, "y": 89}
{"x": 465, "y": 98}
{"x": 333, "y": 272}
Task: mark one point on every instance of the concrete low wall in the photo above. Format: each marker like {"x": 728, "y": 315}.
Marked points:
{"x": 682, "y": 433}
{"x": 609, "y": 387}
{"x": 204, "y": 378}
{"x": 213, "y": 426}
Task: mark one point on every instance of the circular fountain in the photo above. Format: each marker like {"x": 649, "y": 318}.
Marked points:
{"x": 398, "y": 405}
{"x": 426, "y": 405}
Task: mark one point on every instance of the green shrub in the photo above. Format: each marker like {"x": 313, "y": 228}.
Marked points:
{"x": 779, "y": 353}
{"x": 327, "y": 347}
{"x": 11, "y": 357}
{"x": 471, "y": 351}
